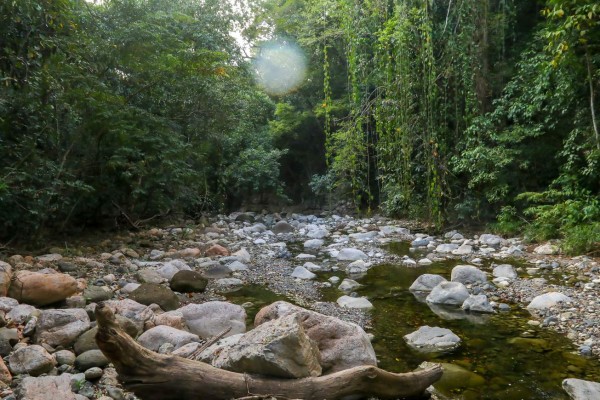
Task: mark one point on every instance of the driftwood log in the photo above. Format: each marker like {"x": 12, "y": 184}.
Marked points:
{"x": 163, "y": 377}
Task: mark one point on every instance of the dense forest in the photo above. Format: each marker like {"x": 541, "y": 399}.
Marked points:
{"x": 451, "y": 111}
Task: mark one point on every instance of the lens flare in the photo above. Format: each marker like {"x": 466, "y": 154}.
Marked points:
{"x": 280, "y": 67}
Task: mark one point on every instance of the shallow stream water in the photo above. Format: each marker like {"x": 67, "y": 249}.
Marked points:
{"x": 501, "y": 356}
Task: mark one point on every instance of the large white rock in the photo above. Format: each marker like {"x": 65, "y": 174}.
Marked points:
{"x": 578, "y": 389}
{"x": 478, "y": 303}
{"x": 467, "y": 274}
{"x": 354, "y": 302}
{"x": 313, "y": 244}
{"x": 303, "y": 273}
{"x": 342, "y": 344}
{"x": 432, "y": 340}
{"x": 547, "y": 300}
{"x": 169, "y": 269}
{"x": 312, "y": 267}
{"x": 351, "y": 254}
{"x": 318, "y": 233}
{"x": 463, "y": 250}
{"x": 364, "y": 236}
{"x": 153, "y": 338}
{"x": 452, "y": 293}
{"x": 61, "y": 327}
{"x": 494, "y": 241}
{"x": 279, "y": 348}
{"x": 446, "y": 247}
{"x": 348, "y": 285}
{"x": 237, "y": 266}
{"x": 505, "y": 271}
{"x": 426, "y": 282}
{"x": 209, "y": 319}
{"x": 242, "y": 255}
{"x": 357, "y": 267}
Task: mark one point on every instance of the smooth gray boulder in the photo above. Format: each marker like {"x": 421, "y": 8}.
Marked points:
{"x": 61, "y": 327}
{"x": 342, "y": 344}
{"x": 149, "y": 275}
{"x": 237, "y": 266}
{"x": 547, "y": 300}
{"x": 364, "y": 236}
{"x": 209, "y": 319}
{"x": 357, "y": 267}
{"x": 47, "y": 388}
{"x": 452, "y": 293}
{"x": 578, "y": 389}
{"x": 279, "y": 348}
{"x": 228, "y": 283}
{"x": 282, "y": 227}
{"x": 422, "y": 242}
{"x": 426, "y": 283}
{"x": 348, "y": 285}
{"x": 494, "y": 241}
{"x": 188, "y": 281}
{"x": 153, "y": 338}
{"x": 312, "y": 267}
{"x": 152, "y": 293}
{"x": 351, "y": 254}
{"x": 242, "y": 255}
{"x": 33, "y": 360}
{"x": 314, "y": 244}
{"x": 303, "y": 273}
{"x": 64, "y": 357}
{"x": 468, "y": 274}
{"x": 170, "y": 268}
{"x": 505, "y": 271}
{"x": 19, "y": 314}
{"x": 7, "y": 304}
{"x": 446, "y": 248}
{"x": 463, "y": 250}
{"x": 477, "y": 303}
{"x": 90, "y": 359}
{"x": 432, "y": 340}
{"x": 354, "y": 302}
{"x": 317, "y": 233}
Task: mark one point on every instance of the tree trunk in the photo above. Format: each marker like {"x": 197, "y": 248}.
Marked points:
{"x": 163, "y": 377}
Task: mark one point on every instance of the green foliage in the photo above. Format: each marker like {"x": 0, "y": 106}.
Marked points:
{"x": 575, "y": 218}
{"x": 124, "y": 107}
{"x": 256, "y": 171}
{"x": 508, "y": 221}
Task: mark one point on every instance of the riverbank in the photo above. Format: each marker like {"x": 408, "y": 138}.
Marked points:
{"x": 299, "y": 257}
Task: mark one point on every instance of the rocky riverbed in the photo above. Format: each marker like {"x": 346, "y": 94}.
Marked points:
{"x": 155, "y": 278}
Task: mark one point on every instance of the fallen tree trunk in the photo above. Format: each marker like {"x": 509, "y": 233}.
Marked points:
{"x": 163, "y": 377}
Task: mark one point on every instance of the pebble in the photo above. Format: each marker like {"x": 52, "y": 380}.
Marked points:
{"x": 93, "y": 373}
